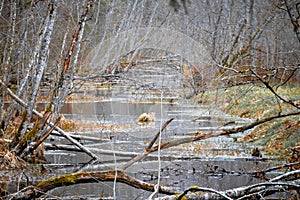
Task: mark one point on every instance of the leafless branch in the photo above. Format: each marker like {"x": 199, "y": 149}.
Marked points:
{"x": 273, "y": 91}
{"x": 60, "y": 131}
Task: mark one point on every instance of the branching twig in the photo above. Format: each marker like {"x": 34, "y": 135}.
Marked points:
{"x": 273, "y": 91}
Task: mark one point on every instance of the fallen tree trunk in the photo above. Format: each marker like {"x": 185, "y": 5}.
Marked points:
{"x": 282, "y": 183}
{"x": 87, "y": 177}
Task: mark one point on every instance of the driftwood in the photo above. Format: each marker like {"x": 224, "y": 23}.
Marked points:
{"x": 200, "y": 135}
{"x": 282, "y": 182}
{"x": 81, "y": 136}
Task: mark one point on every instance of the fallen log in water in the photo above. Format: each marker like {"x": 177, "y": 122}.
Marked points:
{"x": 87, "y": 177}
{"x": 286, "y": 182}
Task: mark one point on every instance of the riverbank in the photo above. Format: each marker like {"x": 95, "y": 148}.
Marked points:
{"x": 280, "y": 136}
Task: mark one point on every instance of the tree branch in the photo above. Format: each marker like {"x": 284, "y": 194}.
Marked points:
{"x": 273, "y": 91}
{"x": 88, "y": 177}
{"x": 148, "y": 149}
{"x": 60, "y": 131}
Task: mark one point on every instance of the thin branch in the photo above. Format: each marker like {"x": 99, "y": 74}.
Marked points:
{"x": 294, "y": 20}
{"x": 202, "y": 189}
{"x": 273, "y": 91}
{"x": 287, "y": 79}
{"x": 287, "y": 176}
{"x": 148, "y": 149}
{"x": 158, "y": 133}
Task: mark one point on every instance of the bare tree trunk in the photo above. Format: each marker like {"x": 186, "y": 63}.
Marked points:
{"x": 20, "y": 52}
{"x": 294, "y": 15}
{"x": 42, "y": 62}
{"x": 7, "y": 54}
{"x": 11, "y": 40}
{"x": 2, "y": 117}
{"x": 60, "y": 92}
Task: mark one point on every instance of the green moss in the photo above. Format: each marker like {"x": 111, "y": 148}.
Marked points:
{"x": 182, "y": 198}
{"x": 29, "y": 135}
{"x": 64, "y": 180}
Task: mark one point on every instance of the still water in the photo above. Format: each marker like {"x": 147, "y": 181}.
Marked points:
{"x": 110, "y": 119}
{"x": 219, "y": 163}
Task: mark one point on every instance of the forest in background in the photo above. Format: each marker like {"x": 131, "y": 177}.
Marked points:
{"x": 44, "y": 45}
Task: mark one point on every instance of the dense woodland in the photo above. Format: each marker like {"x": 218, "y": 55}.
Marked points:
{"x": 45, "y": 45}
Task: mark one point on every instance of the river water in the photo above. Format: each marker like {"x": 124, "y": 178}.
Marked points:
{"x": 220, "y": 163}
